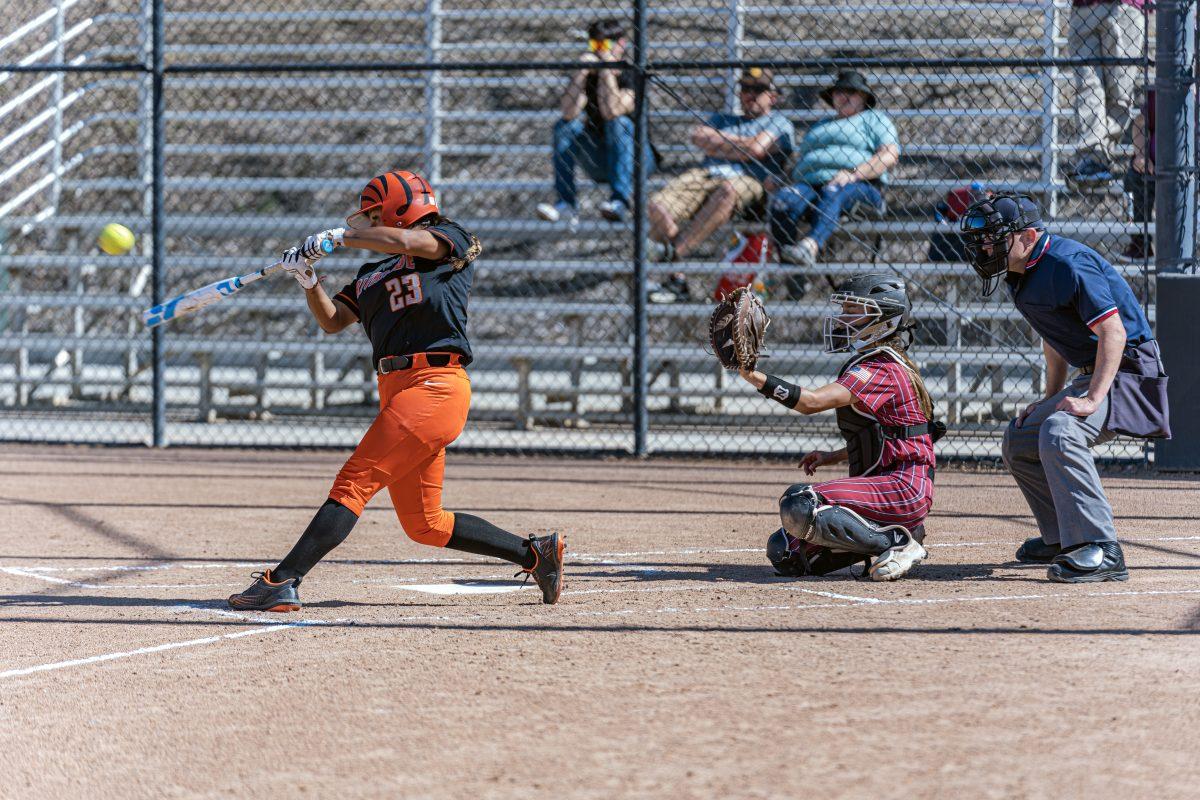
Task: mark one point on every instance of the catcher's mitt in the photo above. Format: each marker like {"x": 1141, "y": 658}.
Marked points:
{"x": 737, "y": 328}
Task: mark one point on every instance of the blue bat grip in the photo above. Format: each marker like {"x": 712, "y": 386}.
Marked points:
{"x": 327, "y": 245}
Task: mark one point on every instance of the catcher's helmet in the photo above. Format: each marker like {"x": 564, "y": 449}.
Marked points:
{"x": 885, "y": 310}
{"x": 985, "y": 227}
{"x": 397, "y": 199}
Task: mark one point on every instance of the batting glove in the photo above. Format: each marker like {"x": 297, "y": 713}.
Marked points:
{"x": 299, "y": 268}
{"x": 312, "y": 248}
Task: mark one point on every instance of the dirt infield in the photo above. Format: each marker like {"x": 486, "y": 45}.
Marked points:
{"x": 676, "y": 666}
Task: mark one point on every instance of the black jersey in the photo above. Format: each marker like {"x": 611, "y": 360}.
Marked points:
{"x": 593, "y": 119}
{"x": 413, "y": 305}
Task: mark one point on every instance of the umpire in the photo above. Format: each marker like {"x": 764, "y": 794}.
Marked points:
{"x": 1090, "y": 321}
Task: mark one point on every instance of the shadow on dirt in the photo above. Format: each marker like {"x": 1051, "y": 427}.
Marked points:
{"x": 622, "y": 627}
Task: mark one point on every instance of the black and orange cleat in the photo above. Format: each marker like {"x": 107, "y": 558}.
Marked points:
{"x": 267, "y": 595}
{"x": 547, "y": 570}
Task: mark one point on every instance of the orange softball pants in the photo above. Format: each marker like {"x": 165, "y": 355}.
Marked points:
{"x": 421, "y": 410}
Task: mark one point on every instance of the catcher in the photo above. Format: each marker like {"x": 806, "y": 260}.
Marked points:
{"x": 412, "y": 305}
{"x": 885, "y": 415}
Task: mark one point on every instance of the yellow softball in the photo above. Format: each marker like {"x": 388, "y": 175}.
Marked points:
{"x": 115, "y": 239}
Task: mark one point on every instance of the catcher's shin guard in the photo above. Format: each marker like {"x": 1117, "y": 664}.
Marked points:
{"x": 806, "y": 516}
{"x": 841, "y": 528}
{"x": 793, "y": 558}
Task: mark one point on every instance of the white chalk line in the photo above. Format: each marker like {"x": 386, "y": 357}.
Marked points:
{"x": 716, "y": 587}
{"x": 559, "y": 614}
{"x": 81, "y": 585}
{"x": 596, "y": 559}
{"x": 158, "y": 648}
{"x": 392, "y": 562}
{"x": 208, "y": 565}
{"x": 571, "y": 556}
{"x": 836, "y": 596}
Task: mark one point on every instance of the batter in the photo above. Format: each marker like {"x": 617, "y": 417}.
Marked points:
{"x": 412, "y": 305}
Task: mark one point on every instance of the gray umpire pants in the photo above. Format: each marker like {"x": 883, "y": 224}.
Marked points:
{"x": 1050, "y": 458}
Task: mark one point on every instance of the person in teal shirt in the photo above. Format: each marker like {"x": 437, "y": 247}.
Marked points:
{"x": 843, "y": 161}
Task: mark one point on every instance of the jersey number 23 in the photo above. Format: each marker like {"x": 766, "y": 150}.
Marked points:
{"x": 405, "y": 291}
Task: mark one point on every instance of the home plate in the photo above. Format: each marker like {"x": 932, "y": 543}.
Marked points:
{"x": 468, "y": 587}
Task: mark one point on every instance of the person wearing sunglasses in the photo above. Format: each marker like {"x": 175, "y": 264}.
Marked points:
{"x": 842, "y": 161}
{"x": 595, "y": 130}
{"x": 1090, "y": 322}
{"x": 740, "y": 151}
{"x": 412, "y": 306}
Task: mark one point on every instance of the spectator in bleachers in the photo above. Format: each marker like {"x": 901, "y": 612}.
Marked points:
{"x": 740, "y": 150}
{"x": 1104, "y": 95}
{"x": 596, "y": 129}
{"x": 1139, "y": 180}
{"x": 843, "y": 161}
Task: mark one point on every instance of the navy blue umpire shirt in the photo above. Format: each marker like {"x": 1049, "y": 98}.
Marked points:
{"x": 1068, "y": 287}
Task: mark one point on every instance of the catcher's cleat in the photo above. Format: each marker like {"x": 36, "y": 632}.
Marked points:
{"x": 547, "y": 570}
{"x": 895, "y": 562}
{"x": 1037, "y": 551}
{"x": 1093, "y": 562}
{"x": 267, "y": 595}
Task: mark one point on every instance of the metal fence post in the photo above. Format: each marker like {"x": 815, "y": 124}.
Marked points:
{"x": 433, "y": 92}
{"x": 1049, "y": 138}
{"x": 640, "y": 145}
{"x": 145, "y": 144}
{"x": 1174, "y": 227}
{"x": 733, "y": 51}
{"x": 57, "y": 130}
{"x": 157, "y": 144}
{"x": 1175, "y": 136}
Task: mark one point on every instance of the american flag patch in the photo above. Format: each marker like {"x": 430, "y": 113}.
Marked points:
{"x": 860, "y": 373}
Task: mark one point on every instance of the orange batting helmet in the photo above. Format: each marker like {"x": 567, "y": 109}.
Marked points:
{"x": 397, "y": 199}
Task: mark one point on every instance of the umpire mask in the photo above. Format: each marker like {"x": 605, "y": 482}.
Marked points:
{"x": 985, "y": 227}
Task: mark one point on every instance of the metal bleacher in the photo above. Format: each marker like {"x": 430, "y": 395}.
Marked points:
{"x": 256, "y": 160}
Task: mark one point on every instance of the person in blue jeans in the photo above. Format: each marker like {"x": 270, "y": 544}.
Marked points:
{"x": 843, "y": 161}
{"x": 595, "y": 130}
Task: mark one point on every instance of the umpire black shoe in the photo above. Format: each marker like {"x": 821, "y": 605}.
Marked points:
{"x": 547, "y": 569}
{"x": 1092, "y": 562}
{"x": 1036, "y": 551}
{"x": 267, "y": 595}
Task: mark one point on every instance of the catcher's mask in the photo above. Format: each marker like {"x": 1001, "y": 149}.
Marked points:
{"x": 870, "y": 308}
{"x": 397, "y": 199}
{"x": 985, "y": 227}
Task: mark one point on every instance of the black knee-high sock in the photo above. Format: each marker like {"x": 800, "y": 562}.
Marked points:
{"x": 329, "y": 528}
{"x": 474, "y": 535}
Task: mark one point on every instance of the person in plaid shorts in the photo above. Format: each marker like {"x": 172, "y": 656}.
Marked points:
{"x": 885, "y": 414}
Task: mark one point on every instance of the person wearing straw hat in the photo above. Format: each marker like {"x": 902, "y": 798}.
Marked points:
{"x": 842, "y": 161}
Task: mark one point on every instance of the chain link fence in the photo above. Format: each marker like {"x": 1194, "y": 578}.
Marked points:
{"x": 589, "y": 322}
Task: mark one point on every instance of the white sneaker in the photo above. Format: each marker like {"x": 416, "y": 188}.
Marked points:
{"x": 556, "y": 212}
{"x": 897, "y": 561}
